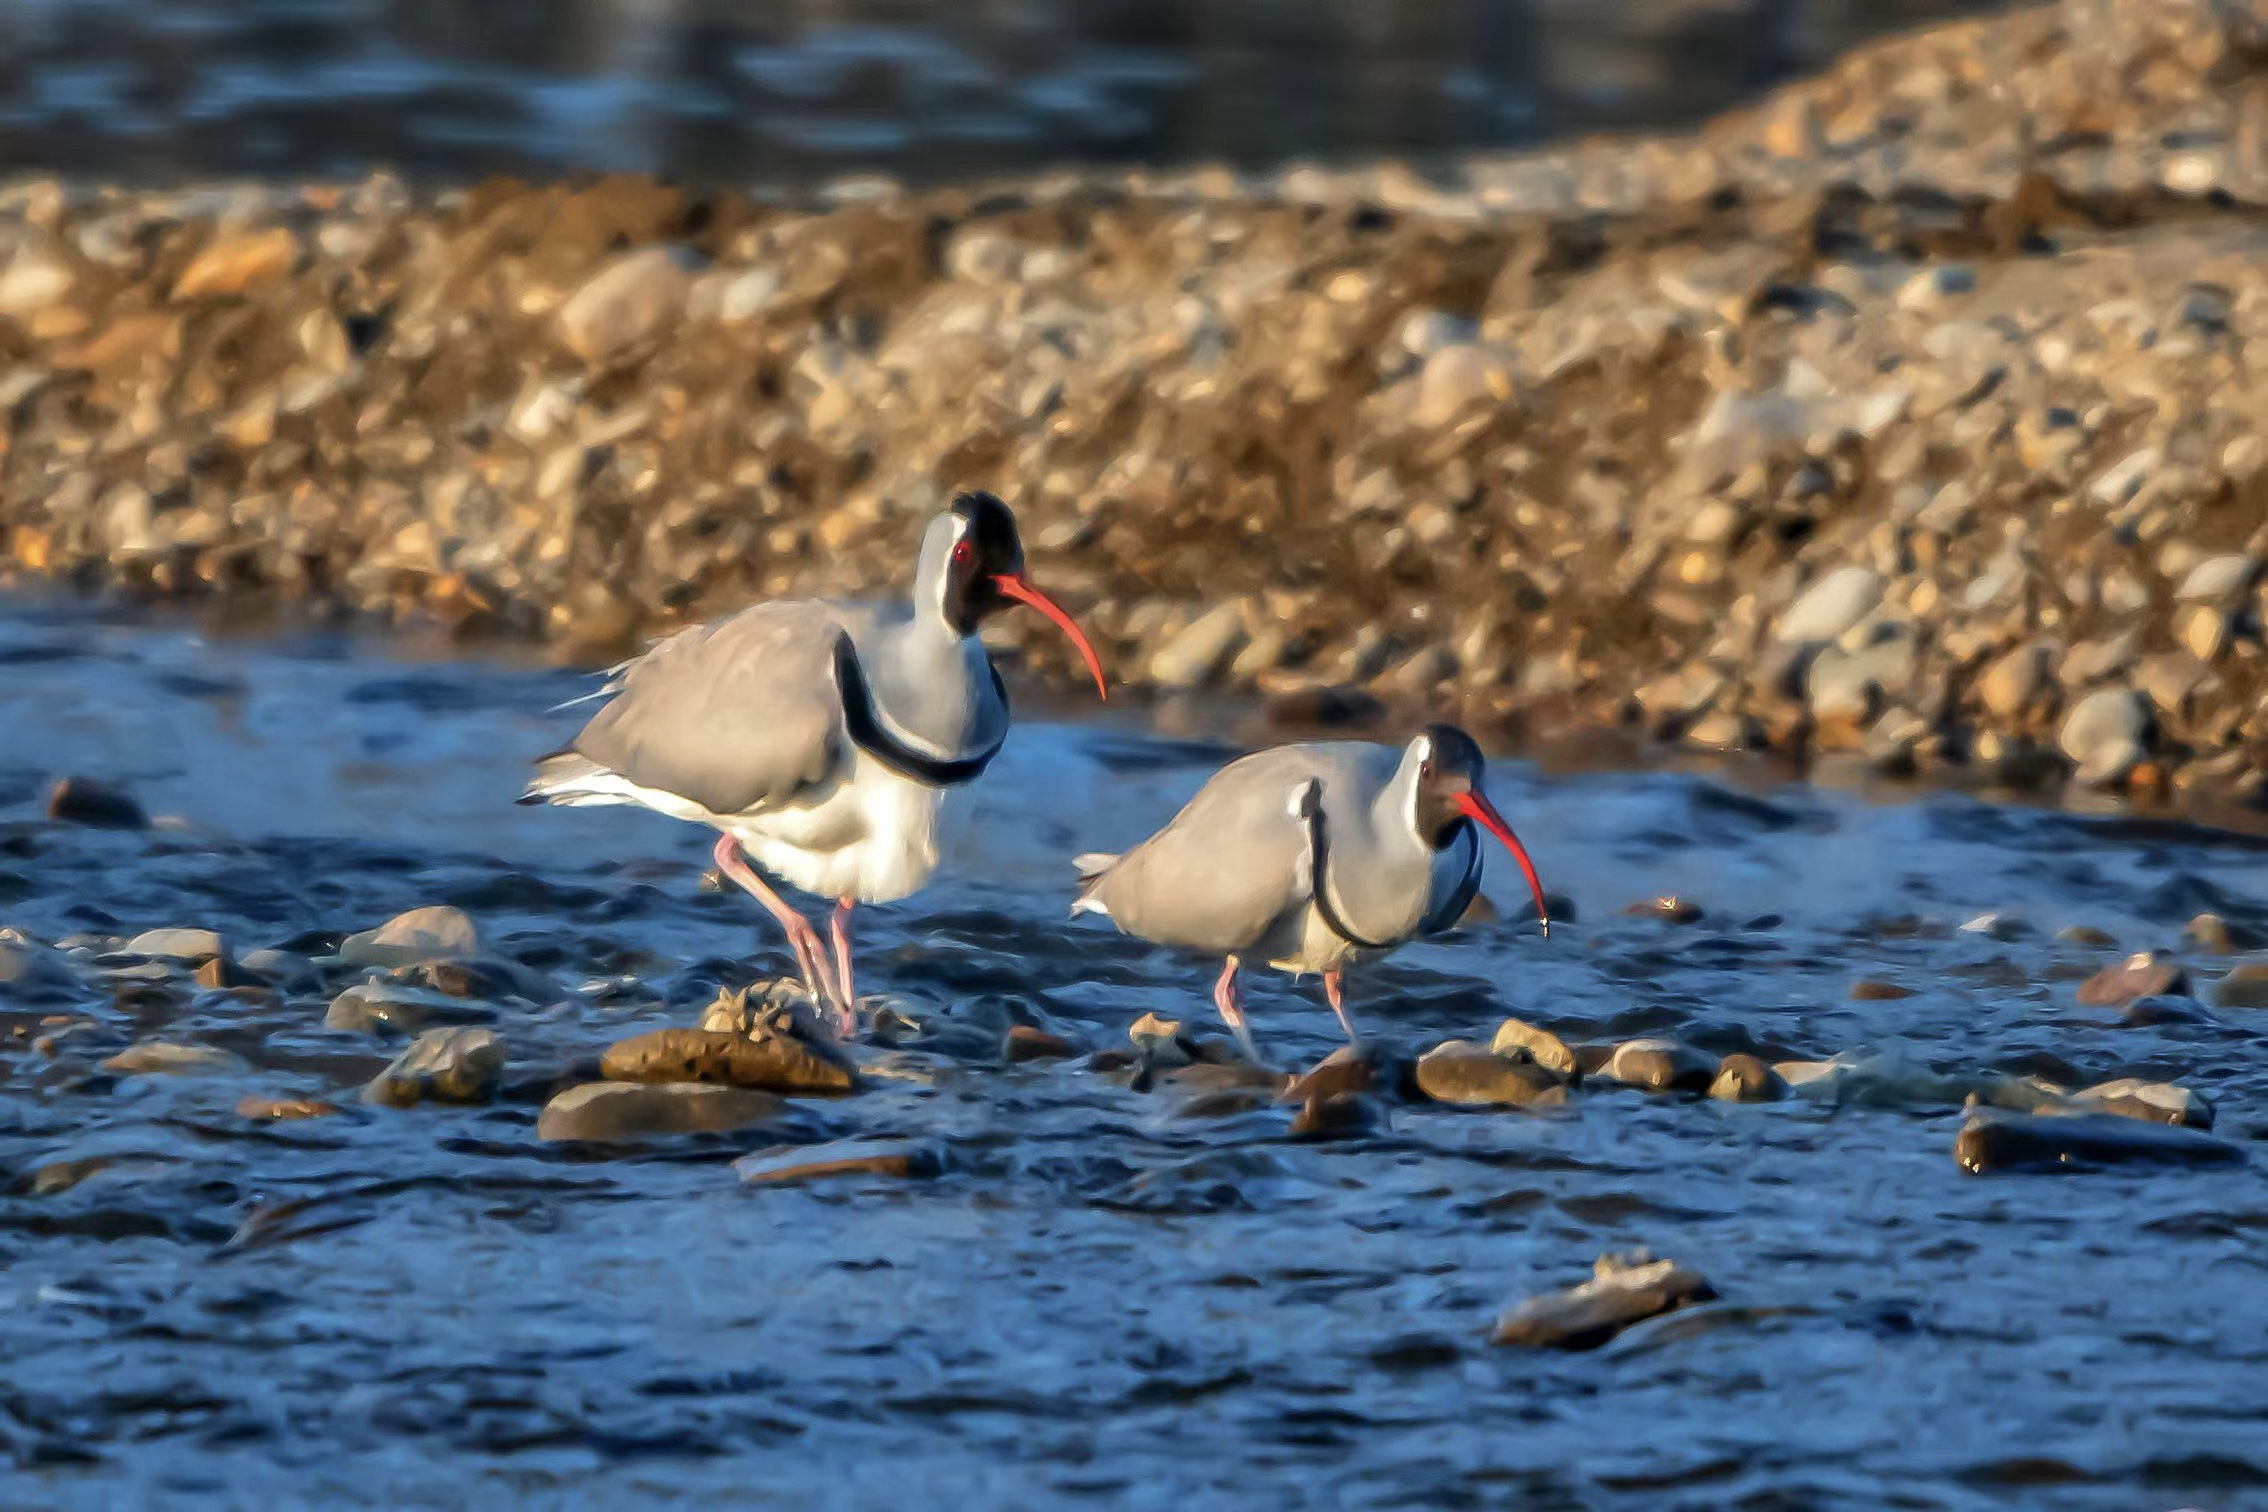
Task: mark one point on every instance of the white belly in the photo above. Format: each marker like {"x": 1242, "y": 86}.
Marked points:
{"x": 875, "y": 837}
{"x": 1301, "y": 943}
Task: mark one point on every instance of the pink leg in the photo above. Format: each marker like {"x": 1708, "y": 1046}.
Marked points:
{"x": 842, "y": 965}
{"x": 1333, "y": 981}
{"x": 810, "y": 953}
{"x": 1232, "y": 1012}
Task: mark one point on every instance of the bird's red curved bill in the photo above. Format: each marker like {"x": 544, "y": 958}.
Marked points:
{"x": 1478, "y": 808}
{"x": 1021, "y": 590}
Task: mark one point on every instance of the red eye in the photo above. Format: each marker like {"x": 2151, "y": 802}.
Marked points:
{"x": 1425, "y": 770}
{"x": 963, "y": 552}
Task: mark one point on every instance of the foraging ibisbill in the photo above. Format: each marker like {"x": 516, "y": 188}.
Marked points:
{"x": 820, "y": 739}
{"x": 1306, "y": 856}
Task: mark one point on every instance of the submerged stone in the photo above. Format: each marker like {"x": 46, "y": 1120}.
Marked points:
{"x": 97, "y": 805}
{"x": 1744, "y": 1078}
{"x": 1992, "y": 1140}
{"x": 2152, "y": 1102}
{"x": 166, "y": 1058}
{"x": 615, "y": 1112}
{"x": 774, "y": 1064}
{"x": 851, "y": 1157}
{"x": 2147, "y": 973}
{"x": 1337, "y": 1115}
{"x": 188, "y": 946}
{"x": 1462, "y": 1074}
{"x": 1661, "y": 1065}
{"x": 1346, "y": 1069}
{"x": 1621, "y": 1291}
{"x": 436, "y": 933}
{"x": 1519, "y": 1040}
{"x": 442, "y": 1065}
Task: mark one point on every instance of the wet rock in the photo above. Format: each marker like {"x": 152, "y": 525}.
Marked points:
{"x": 190, "y": 946}
{"x": 2086, "y": 934}
{"x": 1025, "y": 1043}
{"x": 1219, "y": 1103}
{"x": 1346, "y": 1069}
{"x": 1997, "y": 926}
{"x": 82, "y": 800}
{"x": 1992, "y": 1141}
{"x": 2214, "y": 935}
{"x": 2010, "y": 684}
{"x": 435, "y": 933}
{"x": 1464, "y": 1075}
{"x": 1195, "y": 656}
{"x": 614, "y": 1112}
{"x": 1872, "y": 990}
{"x": 224, "y": 974}
{"x": 1661, "y": 1065}
{"x": 2147, "y": 1012}
{"x": 2245, "y": 986}
{"x": 285, "y": 1110}
{"x": 1337, "y": 1115}
{"x": 1162, "y": 1041}
{"x": 1832, "y": 605}
{"x": 1744, "y": 1078}
{"x": 626, "y": 307}
{"x": 899, "y": 1159}
{"x": 1672, "y": 910}
{"x": 2106, "y": 734}
{"x": 774, "y": 1009}
{"x": 382, "y": 1008}
{"x": 1518, "y": 1040}
{"x": 2148, "y": 973}
{"x": 235, "y": 264}
{"x": 1894, "y": 1080}
{"x": 2152, "y": 1102}
{"x": 442, "y": 1065}
{"x": 777, "y": 1063}
{"x": 165, "y": 1058}
{"x": 1622, "y": 1290}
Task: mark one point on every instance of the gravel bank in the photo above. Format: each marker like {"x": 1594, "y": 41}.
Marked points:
{"x": 1905, "y": 416}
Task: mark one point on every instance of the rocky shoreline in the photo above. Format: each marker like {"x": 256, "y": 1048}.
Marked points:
{"x": 1903, "y": 418}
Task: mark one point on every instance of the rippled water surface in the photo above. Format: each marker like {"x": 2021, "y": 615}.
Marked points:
{"x": 1100, "y": 1297}
{"x": 785, "y": 93}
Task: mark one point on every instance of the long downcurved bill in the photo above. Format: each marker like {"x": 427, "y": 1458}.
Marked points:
{"x": 1021, "y": 590}
{"x": 1481, "y": 810}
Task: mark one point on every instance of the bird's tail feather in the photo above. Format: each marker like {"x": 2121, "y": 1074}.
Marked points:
{"x": 566, "y": 777}
{"x": 1092, "y": 867}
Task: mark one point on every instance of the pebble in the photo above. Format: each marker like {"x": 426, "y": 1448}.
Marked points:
{"x": 1832, "y": 605}
{"x": 1872, "y": 990}
{"x": 2148, "y": 973}
{"x": 82, "y": 800}
{"x": 774, "y": 1064}
{"x": 381, "y": 1008}
{"x": 165, "y": 1058}
{"x": 442, "y": 1065}
{"x": 235, "y": 264}
{"x": 435, "y": 933}
{"x": 626, "y": 307}
{"x": 1464, "y": 1075}
{"x": 285, "y": 1110}
{"x": 189, "y": 946}
{"x": 1992, "y": 1140}
{"x": 2212, "y": 934}
{"x": 1661, "y": 1065}
{"x": 1025, "y": 1042}
{"x": 1622, "y": 1290}
{"x": 2106, "y": 734}
{"x": 1346, "y": 1069}
{"x": 1517, "y": 1039}
{"x": 610, "y": 1112}
{"x": 2153, "y": 1102}
{"x": 1195, "y": 656}
{"x": 1745, "y": 1078}
{"x": 794, "y": 1164}
{"x": 1337, "y": 1115}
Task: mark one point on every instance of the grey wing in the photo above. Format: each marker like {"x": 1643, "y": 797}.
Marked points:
{"x": 736, "y": 715}
{"x": 1235, "y": 860}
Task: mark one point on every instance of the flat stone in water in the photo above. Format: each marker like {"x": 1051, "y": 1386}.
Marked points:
{"x": 1464, "y": 1075}
{"x": 2144, "y": 974}
{"x": 189, "y": 946}
{"x": 1661, "y": 1065}
{"x": 2152, "y": 1102}
{"x": 1992, "y": 1140}
{"x": 777, "y": 1064}
{"x": 1620, "y": 1292}
{"x": 435, "y": 933}
{"x": 442, "y": 1065}
{"x": 1024, "y": 1043}
{"x": 877, "y": 1157}
{"x": 2245, "y": 986}
{"x": 1518, "y": 1040}
{"x": 1873, "y": 990}
{"x": 280, "y": 1110}
{"x": 382, "y": 1008}
{"x": 617, "y": 1112}
{"x": 1744, "y": 1078}
{"x": 2146, "y": 1012}
{"x": 165, "y": 1058}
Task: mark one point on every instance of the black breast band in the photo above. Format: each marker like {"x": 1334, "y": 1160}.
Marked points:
{"x": 863, "y": 722}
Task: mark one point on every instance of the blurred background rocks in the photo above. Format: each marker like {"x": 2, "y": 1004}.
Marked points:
{"x": 1902, "y": 418}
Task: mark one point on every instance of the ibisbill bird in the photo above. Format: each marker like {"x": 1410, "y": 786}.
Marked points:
{"x": 820, "y": 739}
{"x": 1306, "y": 856}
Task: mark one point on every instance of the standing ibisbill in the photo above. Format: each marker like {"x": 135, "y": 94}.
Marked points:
{"x": 820, "y": 738}
{"x": 1308, "y": 855}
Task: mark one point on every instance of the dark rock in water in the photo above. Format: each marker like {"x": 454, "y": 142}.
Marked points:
{"x": 1215, "y": 1103}
{"x": 855, "y": 1157}
{"x": 2245, "y": 986}
{"x": 164, "y": 1058}
{"x": 2144, "y": 1012}
{"x": 2147, "y": 973}
{"x": 436, "y": 933}
{"x": 1464, "y": 1075}
{"x": 223, "y": 974}
{"x": 1669, "y": 909}
{"x": 382, "y": 1008}
{"x": 1214, "y": 1076}
{"x": 1518, "y": 1040}
{"x": 442, "y": 1065}
{"x": 1026, "y": 1043}
{"x": 2084, "y": 934}
{"x": 188, "y": 946}
{"x": 280, "y": 967}
{"x": 1346, "y": 1069}
{"x": 1745, "y": 1078}
{"x": 1871, "y": 990}
{"x": 1592, "y": 1057}
{"x": 82, "y": 800}
{"x": 1337, "y": 1115}
{"x": 284, "y": 1109}
{"x": 1992, "y": 1140}
{"x": 482, "y": 980}
{"x": 1622, "y": 1291}
{"x": 1661, "y": 1065}
{"x": 777, "y": 1064}
{"x": 2152, "y": 1102}
{"x": 607, "y": 1112}
{"x": 32, "y": 974}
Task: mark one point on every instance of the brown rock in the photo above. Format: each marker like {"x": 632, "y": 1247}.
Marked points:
{"x": 280, "y": 1110}
{"x": 237, "y": 263}
{"x": 625, "y": 308}
{"x": 2152, "y": 1102}
{"x": 442, "y": 1065}
{"x": 1337, "y": 1115}
{"x": 1622, "y": 1291}
{"x": 1026, "y": 1043}
{"x": 1464, "y": 1075}
{"x": 1519, "y": 1040}
{"x": 618, "y": 1112}
{"x": 82, "y": 800}
{"x": 1661, "y": 1065}
{"x": 2245, "y": 986}
{"x": 2148, "y": 973}
{"x": 881, "y": 1157}
{"x": 1991, "y": 1140}
{"x": 708, "y": 1055}
{"x": 1870, "y": 990}
{"x": 1744, "y": 1078}
{"x": 1346, "y": 1069}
